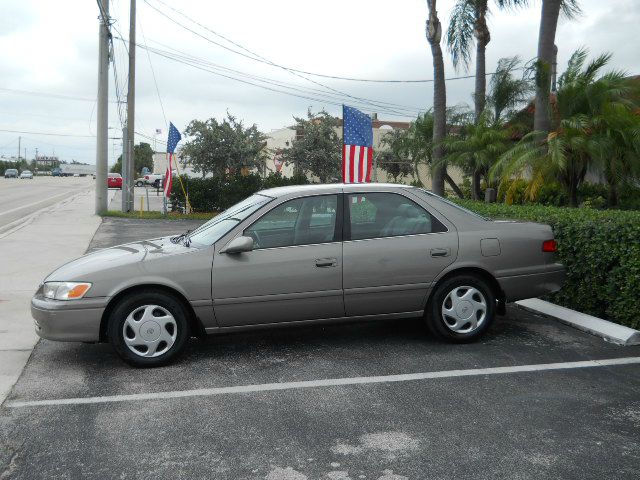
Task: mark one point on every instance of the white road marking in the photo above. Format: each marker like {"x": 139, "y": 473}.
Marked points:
{"x": 330, "y": 382}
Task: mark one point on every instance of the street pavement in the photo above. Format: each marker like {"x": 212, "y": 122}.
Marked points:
{"x": 20, "y": 198}
{"x": 31, "y": 249}
{"x": 526, "y": 422}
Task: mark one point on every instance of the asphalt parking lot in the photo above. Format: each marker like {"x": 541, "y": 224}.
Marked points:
{"x": 312, "y": 420}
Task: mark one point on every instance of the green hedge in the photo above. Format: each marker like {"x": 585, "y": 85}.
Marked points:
{"x": 599, "y": 248}
{"x": 216, "y": 194}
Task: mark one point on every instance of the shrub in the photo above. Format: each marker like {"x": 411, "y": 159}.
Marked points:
{"x": 214, "y": 194}
{"x": 600, "y": 250}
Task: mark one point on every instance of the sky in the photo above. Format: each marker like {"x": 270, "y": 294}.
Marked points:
{"x": 49, "y": 62}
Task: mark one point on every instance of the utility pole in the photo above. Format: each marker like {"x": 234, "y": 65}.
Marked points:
{"x": 102, "y": 145}
{"x": 131, "y": 106}
{"x": 125, "y": 162}
{"x": 19, "y": 148}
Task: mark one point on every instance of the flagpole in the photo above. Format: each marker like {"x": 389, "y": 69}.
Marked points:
{"x": 343, "y": 157}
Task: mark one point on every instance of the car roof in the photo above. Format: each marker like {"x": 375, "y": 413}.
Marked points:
{"x": 325, "y": 187}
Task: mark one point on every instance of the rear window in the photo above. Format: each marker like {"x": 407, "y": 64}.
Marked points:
{"x": 114, "y": 175}
{"x": 452, "y": 204}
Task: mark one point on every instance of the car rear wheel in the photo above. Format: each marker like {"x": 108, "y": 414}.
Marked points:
{"x": 139, "y": 184}
{"x": 148, "y": 328}
{"x": 461, "y": 309}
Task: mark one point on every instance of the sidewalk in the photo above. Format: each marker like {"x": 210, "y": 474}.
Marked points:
{"x": 54, "y": 236}
{"x": 152, "y": 199}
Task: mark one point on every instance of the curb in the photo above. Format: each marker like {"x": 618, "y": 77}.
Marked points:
{"x": 609, "y": 331}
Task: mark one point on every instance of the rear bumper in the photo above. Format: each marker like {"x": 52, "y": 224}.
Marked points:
{"x": 77, "y": 321}
{"x": 520, "y": 287}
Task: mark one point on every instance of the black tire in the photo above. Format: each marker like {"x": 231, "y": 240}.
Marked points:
{"x": 139, "y": 184}
{"x": 434, "y": 316}
{"x": 129, "y": 304}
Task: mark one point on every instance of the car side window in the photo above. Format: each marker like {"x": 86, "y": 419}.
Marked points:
{"x": 376, "y": 215}
{"x": 301, "y": 221}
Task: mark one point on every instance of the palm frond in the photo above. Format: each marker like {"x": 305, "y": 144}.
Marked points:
{"x": 460, "y": 34}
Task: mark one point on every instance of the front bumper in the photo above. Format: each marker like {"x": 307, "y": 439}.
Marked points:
{"x": 68, "y": 321}
{"x": 520, "y": 287}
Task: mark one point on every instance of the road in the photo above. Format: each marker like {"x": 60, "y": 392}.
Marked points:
{"x": 370, "y": 400}
{"x": 20, "y": 198}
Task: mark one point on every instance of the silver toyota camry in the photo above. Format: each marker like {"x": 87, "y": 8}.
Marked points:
{"x": 301, "y": 254}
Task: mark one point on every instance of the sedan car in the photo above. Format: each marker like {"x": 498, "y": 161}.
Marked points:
{"x": 301, "y": 254}
{"x": 26, "y": 174}
{"x": 11, "y": 173}
{"x": 114, "y": 180}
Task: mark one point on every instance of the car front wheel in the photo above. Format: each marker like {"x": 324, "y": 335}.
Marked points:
{"x": 148, "y": 328}
{"x": 461, "y": 309}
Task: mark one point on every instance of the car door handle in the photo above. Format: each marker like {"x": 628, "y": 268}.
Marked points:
{"x": 326, "y": 262}
{"x": 440, "y": 252}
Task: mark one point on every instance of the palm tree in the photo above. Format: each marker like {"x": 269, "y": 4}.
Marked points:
{"x": 434, "y": 35}
{"x": 505, "y": 91}
{"x": 594, "y": 125}
{"x": 477, "y": 147}
{"x": 546, "y": 52}
{"x": 468, "y": 24}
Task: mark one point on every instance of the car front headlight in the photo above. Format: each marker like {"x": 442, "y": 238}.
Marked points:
{"x": 65, "y": 290}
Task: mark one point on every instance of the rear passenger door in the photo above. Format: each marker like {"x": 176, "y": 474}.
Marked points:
{"x": 393, "y": 250}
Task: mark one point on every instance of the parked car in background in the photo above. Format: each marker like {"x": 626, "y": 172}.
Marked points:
{"x": 298, "y": 254}
{"x": 11, "y": 173}
{"x": 114, "y": 180}
{"x": 154, "y": 179}
{"x": 56, "y": 172}
{"x": 140, "y": 182}
{"x": 26, "y": 174}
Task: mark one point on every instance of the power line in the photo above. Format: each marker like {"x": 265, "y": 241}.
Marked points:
{"x": 259, "y": 58}
{"x": 317, "y": 94}
{"x": 153, "y": 73}
{"x": 52, "y": 134}
{"x": 256, "y": 57}
{"x": 51, "y": 95}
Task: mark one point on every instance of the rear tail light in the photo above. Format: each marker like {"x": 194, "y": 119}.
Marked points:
{"x": 549, "y": 246}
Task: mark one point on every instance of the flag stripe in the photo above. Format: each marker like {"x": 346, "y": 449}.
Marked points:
{"x": 352, "y": 158}
{"x": 356, "y": 163}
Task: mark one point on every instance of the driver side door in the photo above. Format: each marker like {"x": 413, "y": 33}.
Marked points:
{"x": 294, "y": 271}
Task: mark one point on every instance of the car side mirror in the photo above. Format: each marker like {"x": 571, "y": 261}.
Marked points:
{"x": 239, "y": 245}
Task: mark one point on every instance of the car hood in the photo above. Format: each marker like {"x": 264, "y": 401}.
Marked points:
{"x": 81, "y": 269}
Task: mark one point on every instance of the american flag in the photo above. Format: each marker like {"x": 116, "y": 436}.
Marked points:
{"x": 357, "y": 150}
{"x": 172, "y": 142}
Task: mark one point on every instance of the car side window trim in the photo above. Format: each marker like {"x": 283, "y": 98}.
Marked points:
{"x": 347, "y": 218}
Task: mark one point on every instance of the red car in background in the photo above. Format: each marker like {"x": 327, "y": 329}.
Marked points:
{"x": 114, "y": 180}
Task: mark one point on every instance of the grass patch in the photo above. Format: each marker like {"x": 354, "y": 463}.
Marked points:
{"x": 160, "y": 215}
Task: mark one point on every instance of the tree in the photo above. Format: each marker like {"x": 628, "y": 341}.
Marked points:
{"x": 434, "y": 35}
{"x": 546, "y": 53}
{"x": 506, "y": 92}
{"x": 223, "y": 147}
{"x": 595, "y": 125}
{"x": 317, "y": 148}
{"x": 476, "y": 148}
{"x": 396, "y": 159}
{"x": 142, "y": 157}
{"x": 468, "y": 25}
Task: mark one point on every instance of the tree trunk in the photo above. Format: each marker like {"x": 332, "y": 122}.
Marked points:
{"x": 453, "y": 185}
{"x": 475, "y": 185}
{"x": 612, "y": 199}
{"x": 483, "y": 37}
{"x": 573, "y": 194}
{"x": 434, "y": 34}
{"x": 546, "y": 46}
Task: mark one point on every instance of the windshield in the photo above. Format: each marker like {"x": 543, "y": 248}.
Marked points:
{"x": 210, "y": 232}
